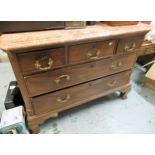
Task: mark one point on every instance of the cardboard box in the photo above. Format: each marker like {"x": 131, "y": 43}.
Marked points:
{"x": 150, "y": 78}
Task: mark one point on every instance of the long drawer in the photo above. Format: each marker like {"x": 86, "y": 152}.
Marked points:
{"x": 69, "y": 76}
{"x": 64, "y": 99}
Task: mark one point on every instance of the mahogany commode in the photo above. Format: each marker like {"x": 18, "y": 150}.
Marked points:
{"x": 59, "y": 69}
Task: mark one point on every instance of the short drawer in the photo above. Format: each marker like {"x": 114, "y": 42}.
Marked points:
{"x": 148, "y": 47}
{"x": 70, "y": 97}
{"x": 129, "y": 44}
{"x": 54, "y": 80}
{"x": 43, "y": 60}
{"x": 90, "y": 51}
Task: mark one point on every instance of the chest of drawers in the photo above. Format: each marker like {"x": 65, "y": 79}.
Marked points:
{"x": 57, "y": 70}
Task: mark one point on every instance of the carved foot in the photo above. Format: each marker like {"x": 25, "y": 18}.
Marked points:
{"x": 35, "y": 121}
{"x": 34, "y": 129}
{"x": 124, "y": 92}
{"x": 123, "y": 95}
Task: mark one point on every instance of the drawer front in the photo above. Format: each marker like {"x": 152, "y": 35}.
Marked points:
{"x": 90, "y": 51}
{"x": 69, "y": 76}
{"x": 67, "y": 98}
{"x": 148, "y": 48}
{"x": 41, "y": 60}
{"x": 129, "y": 44}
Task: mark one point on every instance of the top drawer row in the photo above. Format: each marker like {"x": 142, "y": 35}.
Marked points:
{"x": 36, "y": 61}
{"x": 54, "y": 58}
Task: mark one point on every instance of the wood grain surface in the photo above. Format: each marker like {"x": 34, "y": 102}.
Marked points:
{"x": 28, "y": 40}
{"x": 60, "y": 69}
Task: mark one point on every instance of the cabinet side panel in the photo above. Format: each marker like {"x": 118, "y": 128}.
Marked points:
{"x": 21, "y": 83}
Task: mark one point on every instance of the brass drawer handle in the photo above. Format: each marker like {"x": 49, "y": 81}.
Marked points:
{"x": 112, "y": 83}
{"x": 63, "y": 99}
{"x": 91, "y": 56}
{"x": 129, "y": 48}
{"x": 117, "y": 65}
{"x": 38, "y": 65}
{"x": 58, "y": 79}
